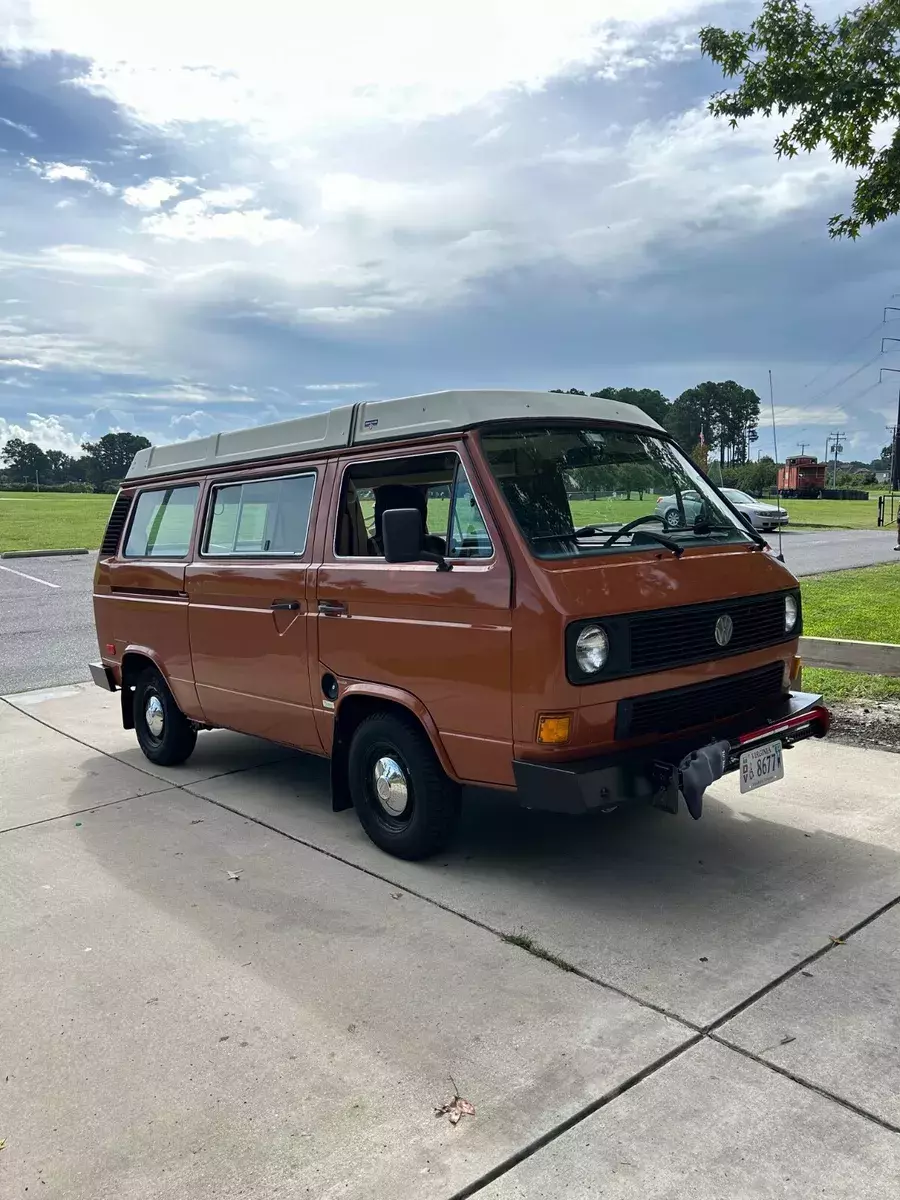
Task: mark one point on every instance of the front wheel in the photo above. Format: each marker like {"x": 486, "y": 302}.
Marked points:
{"x": 164, "y": 733}
{"x": 404, "y": 801}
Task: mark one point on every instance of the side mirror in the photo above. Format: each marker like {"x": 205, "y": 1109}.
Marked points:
{"x": 403, "y": 535}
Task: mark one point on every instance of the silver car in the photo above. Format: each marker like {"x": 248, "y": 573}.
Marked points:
{"x": 760, "y": 514}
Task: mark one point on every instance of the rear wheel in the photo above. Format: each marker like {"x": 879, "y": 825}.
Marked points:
{"x": 672, "y": 518}
{"x": 404, "y": 801}
{"x": 164, "y": 733}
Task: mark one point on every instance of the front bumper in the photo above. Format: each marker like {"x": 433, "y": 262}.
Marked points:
{"x": 663, "y": 774}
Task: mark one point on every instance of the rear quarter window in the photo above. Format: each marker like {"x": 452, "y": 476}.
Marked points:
{"x": 162, "y": 523}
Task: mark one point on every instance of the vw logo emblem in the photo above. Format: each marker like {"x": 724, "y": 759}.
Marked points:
{"x": 724, "y": 629}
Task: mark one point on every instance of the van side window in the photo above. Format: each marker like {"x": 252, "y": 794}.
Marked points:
{"x": 422, "y": 481}
{"x": 268, "y": 516}
{"x": 162, "y": 523}
{"x": 469, "y": 537}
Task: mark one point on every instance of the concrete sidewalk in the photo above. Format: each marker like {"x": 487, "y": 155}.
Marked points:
{"x": 213, "y": 986}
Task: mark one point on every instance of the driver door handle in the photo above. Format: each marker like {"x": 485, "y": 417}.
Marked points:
{"x": 285, "y": 605}
{"x": 332, "y": 608}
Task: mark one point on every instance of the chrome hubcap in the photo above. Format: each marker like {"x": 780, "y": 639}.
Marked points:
{"x": 390, "y": 786}
{"x": 154, "y": 716}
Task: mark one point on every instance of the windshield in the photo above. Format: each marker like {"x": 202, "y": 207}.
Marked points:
{"x": 584, "y": 491}
{"x": 738, "y": 497}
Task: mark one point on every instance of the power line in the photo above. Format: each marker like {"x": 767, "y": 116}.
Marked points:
{"x": 843, "y": 357}
{"x": 840, "y": 383}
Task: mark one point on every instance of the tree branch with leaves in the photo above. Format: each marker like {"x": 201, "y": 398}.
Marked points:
{"x": 839, "y": 85}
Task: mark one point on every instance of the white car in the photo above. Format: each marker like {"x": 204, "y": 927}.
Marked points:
{"x": 760, "y": 514}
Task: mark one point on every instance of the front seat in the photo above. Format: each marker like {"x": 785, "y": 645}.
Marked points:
{"x": 404, "y": 495}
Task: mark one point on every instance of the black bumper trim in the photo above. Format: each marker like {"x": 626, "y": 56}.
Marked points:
{"x": 103, "y": 677}
{"x": 660, "y": 773}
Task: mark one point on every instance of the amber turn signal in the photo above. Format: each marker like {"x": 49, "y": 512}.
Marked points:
{"x": 554, "y": 730}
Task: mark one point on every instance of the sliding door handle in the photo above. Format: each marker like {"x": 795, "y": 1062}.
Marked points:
{"x": 332, "y": 608}
{"x": 285, "y": 605}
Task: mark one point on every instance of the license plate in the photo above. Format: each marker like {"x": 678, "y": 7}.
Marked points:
{"x": 761, "y": 766}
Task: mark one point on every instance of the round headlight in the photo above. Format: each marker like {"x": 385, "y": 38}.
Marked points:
{"x": 791, "y": 613}
{"x": 591, "y": 649}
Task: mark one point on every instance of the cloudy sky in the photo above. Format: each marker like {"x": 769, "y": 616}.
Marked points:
{"x": 213, "y": 215}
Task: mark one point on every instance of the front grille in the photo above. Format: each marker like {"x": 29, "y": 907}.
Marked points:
{"x": 674, "y": 637}
{"x": 700, "y": 704}
{"x": 115, "y": 525}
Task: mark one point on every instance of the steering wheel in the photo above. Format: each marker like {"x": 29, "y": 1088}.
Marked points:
{"x": 633, "y": 525}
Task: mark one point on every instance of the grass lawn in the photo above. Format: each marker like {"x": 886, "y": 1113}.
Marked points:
{"x": 832, "y": 514}
{"x": 52, "y": 520}
{"x": 863, "y": 605}
{"x": 55, "y": 520}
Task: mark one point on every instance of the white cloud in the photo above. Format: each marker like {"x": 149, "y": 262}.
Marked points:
{"x": 218, "y": 215}
{"x": 343, "y": 314}
{"x": 335, "y": 387}
{"x": 152, "y": 193}
{"x": 76, "y": 260}
{"x": 191, "y": 221}
{"x": 292, "y": 70}
{"x": 233, "y": 196}
{"x": 87, "y": 260}
{"x": 57, "y": 172}
{"x": 38, "y": 349}
{"x": 26, "y": 129}
{"x": 49, "y": 432}
{"x": 790, "y": 414}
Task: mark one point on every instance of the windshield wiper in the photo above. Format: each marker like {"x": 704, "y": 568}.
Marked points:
{"x": 589, "y": 530}
{"x": 568, "y": 535}
{"x": 669, "y": 543}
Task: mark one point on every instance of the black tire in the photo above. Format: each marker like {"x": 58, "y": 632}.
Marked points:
{"x": 432, "y": 801}
{"x": 174, "y": 741}
{"x": 672, "y": 519}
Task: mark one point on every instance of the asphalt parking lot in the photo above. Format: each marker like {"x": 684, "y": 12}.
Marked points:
{"x": 48, "y": 624}
{"x": 213, "y": 986}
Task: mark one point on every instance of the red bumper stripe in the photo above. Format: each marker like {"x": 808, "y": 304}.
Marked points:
{"x": 816, "y": 716}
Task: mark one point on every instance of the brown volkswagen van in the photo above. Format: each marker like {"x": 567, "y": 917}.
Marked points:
{"x": 458, "y": 588}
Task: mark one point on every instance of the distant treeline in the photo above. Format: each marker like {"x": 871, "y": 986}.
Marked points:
{"x": 24, "y": 466}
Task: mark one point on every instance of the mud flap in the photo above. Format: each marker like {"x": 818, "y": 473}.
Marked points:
{"x": 698, "y": 771}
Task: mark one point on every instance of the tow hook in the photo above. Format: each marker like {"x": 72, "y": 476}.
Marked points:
{"x": 698, "y": 771}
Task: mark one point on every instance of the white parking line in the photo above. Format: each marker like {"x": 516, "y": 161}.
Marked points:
{"x": 33, "y": 578}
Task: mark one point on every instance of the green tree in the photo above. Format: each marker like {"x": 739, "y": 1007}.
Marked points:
{"x": 25, "y": 461}
{"x": 835, "y": 81}
{"x": 648, "y": 400}
{"x": 110, "y": 456}
{"x": 59, "y": 466}
{"x": 722, "y": 412}
{"x": 700, "y": 455}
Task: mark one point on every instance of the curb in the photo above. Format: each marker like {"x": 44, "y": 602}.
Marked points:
{"x": 42, "y": 553}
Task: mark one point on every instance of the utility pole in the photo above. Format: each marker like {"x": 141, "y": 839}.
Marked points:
{"x": 802, "y": 446}
{"x": 835, "y": 438}
{"x": 895, "y": 457}
{"x": 894, "y": 431}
